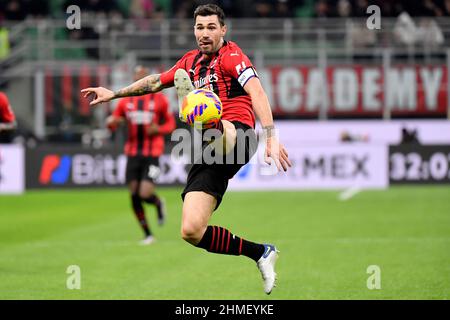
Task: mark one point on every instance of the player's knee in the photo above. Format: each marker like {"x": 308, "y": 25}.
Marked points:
{"x": 192, "y": 232}
{"x": 146, "y": 190}
{"x": 145, "y": 194}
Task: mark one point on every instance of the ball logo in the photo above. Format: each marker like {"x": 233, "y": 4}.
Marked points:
{"x": 55, "y": 169}
{"x": 202, "y": 107}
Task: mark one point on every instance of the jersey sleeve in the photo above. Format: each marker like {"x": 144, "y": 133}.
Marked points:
{"x": 6, "y": 113}
{"x": 239, "y": 66}
{"x": 168, "y": 76}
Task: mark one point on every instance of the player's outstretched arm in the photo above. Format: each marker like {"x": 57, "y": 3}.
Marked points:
{"x": 274, "y": 149}
{"x": 143, "y": 86}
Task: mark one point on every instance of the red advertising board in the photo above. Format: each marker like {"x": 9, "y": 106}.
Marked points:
{"x": 300, "y": 91}
{"x": 357, "y": 90}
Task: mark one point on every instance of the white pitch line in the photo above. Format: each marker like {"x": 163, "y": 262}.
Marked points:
{"x": 349, "y": 193}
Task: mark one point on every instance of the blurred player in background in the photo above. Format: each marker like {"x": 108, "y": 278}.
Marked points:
{"x": 7, "y": 119}
{"x": 220, "y": 66}
{"x": 148, "y": 119}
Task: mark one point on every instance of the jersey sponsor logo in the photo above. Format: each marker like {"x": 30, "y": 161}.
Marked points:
{"x": 204, "y": 81}
{"x": 140, "y": 117}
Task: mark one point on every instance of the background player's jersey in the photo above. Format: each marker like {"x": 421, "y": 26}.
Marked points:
{"x": 226, "y": 73}
{"x": 139, "y": 113}
{"x": 6, "y": 114}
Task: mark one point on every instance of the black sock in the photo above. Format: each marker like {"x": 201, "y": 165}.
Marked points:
{"x": 220, "y": 240}
{"x": 154, "y": 199}
{"x": 140, "y": 214}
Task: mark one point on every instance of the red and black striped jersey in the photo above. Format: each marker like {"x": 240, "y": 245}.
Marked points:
{"x": 225, "y": 73}
{"x": 6, "y": 114}
{"x": 140, "y": 112}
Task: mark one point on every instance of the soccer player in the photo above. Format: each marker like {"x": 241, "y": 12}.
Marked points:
{"x": 7, "y": 119}
{"x": 148, "y": 119}
{"x": 221, "y": 66}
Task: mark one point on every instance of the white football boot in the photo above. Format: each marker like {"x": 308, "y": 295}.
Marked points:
{"x": 183, "y": 84}
{"x": 147, "y": 241}
{"x": 266, "y": 264}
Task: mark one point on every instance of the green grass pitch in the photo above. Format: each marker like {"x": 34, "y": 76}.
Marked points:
{"x": 326, "y": 246}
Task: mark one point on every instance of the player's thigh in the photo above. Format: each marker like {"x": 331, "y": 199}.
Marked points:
{"x": 149, "y": 171}
{"x": 227, "y": 140}
{"x": 132, "y": 174}
{"x": 198, "y": 207}
{"x": 146, "y": 188}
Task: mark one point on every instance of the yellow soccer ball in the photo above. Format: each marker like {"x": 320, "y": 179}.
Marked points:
{"x": 201, "y": 107}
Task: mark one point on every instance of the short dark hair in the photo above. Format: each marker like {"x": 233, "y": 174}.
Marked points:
{"x": 210, "y": 10}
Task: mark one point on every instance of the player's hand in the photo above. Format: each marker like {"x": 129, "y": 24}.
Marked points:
{"x": 112, "y": 122}
{"x": 99, "y": 95}
{"x": 153, "y": 129}
{"x": 277, "y": 152}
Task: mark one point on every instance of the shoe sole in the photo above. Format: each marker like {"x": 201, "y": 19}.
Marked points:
{"x": 147, "y": 243}
{"x": 276, "y": 276}
{"x": 183, "y": 86}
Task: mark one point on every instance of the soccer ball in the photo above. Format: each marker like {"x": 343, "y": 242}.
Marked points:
{"x": 201, "y": 107}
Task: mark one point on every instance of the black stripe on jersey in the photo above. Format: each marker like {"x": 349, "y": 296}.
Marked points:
{"x": 140, "y": 128}
{"x": 151, "y": 110}
{"x": 236, "y": 89}
{"x": 215, "y": 85}
{"x": 223, "y": 76}
{"x": 204, "y": 66}
{"x": 194, "y": 62}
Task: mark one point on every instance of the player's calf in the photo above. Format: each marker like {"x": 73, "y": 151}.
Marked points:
{"x": 139, "y": 212}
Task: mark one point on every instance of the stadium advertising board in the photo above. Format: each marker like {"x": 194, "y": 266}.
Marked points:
{"x": 12, "y": 178}
{"x": 321, "y": 167}
{"x": 369, "y": 131}
{"x": 419, "y": 164}
{"x": 353, "y": 90}
{"x": 69, "y": 167}
{"x": 357, "y": 90}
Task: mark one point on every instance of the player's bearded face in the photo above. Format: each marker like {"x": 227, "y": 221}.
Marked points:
{"x": 209, "y": 33}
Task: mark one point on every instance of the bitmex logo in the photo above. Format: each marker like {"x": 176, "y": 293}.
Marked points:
{"x": 55, "y": 169}
{"x": 82, "y": 169}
